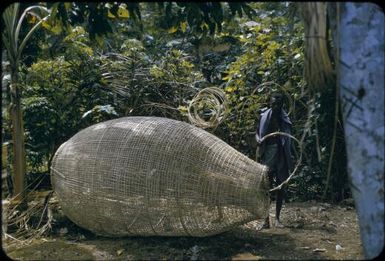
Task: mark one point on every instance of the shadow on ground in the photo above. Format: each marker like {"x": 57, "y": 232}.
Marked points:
{"x": 242, "y": 243}
{"x": 312, "y": 232}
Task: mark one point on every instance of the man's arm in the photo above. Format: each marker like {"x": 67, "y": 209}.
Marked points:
{"x": 257, "y": 137}
{"x": 258, "y": 141}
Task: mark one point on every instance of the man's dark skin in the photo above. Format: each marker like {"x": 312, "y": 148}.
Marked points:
{"x": 275, "y": 151}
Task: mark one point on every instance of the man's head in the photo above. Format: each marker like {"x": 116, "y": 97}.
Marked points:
{"x": 276, "y": 101}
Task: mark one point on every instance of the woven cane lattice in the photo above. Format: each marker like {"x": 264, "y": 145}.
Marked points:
{"x": 156, "y": 176}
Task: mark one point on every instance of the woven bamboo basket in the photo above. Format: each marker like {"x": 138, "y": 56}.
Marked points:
{"x": 148, "y": 176}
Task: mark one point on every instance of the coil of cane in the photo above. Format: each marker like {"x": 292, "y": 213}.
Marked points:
{"x": 213, "y": 99}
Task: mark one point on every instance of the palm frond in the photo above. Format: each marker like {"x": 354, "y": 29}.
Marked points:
{"x": 15, "y": 13}
{"x": 8, "y": 33}
{"x": 13, "y": 25}
{"x": 26, "y": 38}
{"x": 27, "y": 10}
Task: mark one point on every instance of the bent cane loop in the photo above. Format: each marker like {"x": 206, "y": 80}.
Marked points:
{"x": 273, "y": 134}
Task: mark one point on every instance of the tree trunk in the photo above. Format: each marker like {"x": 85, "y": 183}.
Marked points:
{"x": 361, "y": 78}
{"x": 19, "y": 164}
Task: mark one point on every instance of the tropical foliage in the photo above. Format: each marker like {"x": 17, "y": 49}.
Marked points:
{"x": 97, "y": 61}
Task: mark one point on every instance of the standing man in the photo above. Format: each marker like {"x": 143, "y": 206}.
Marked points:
{"x": 275, "y": 151}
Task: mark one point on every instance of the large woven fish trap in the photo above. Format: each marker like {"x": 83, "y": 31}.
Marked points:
{"x": 152, "y": 176}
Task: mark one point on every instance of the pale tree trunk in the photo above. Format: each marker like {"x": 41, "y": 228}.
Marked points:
{"x": 361, "y": 78}
{"x": 10, "y": 39}
{"x": 19, "y": 164}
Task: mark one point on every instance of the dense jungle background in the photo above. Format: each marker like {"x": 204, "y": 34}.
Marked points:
{"x": 72, "y": 79}
{"x": 83, "y": 67}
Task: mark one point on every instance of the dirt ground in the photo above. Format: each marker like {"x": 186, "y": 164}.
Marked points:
{"x": 312, "y": 231}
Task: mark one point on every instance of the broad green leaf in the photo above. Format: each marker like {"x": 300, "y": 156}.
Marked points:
{"x": 172, "y": 30}
{"x": 32, "y": 19}
{"x": 230, "y": 89}
{"x": 57, "y": 29}
{"x": 99, "y": 40}
{"x": 67, "y": 5}
{"x": 183, "y": 26}
{"x": 123, "y": 12}
{"x": 204, "y": 26}
{"x": 110, "y": 15}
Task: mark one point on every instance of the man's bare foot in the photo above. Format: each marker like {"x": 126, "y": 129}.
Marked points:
{"x": 278, "y": 224}
{"x": 265, "y": 224}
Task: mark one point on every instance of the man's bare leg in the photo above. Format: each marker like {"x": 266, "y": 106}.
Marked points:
{"x": 266, "y": 223}
{"x": 280, "y": 196}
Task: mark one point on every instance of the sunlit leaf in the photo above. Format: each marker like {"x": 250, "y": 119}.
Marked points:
{"x": 204, "y": 26}
{"x": 226, "y": 78}
{"x": 57, "y": 29}
{"x": 123, "y": 12}
{"x": 182, "y": 108}
{"x": 230, "y": 89}
{"x": 110, "y": 15}
{"x": 172, "y": 30}
{"x": 99, "y": 40}
{"x": 183, "y": 26}
{"x": 32, "y": 19}
{"x": 67, "y": 5}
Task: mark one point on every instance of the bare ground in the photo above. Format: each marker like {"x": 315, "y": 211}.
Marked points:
{"x": 313, "y": 231}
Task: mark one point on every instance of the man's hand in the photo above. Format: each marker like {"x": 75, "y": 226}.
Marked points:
{"x": 258, "y": 139}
